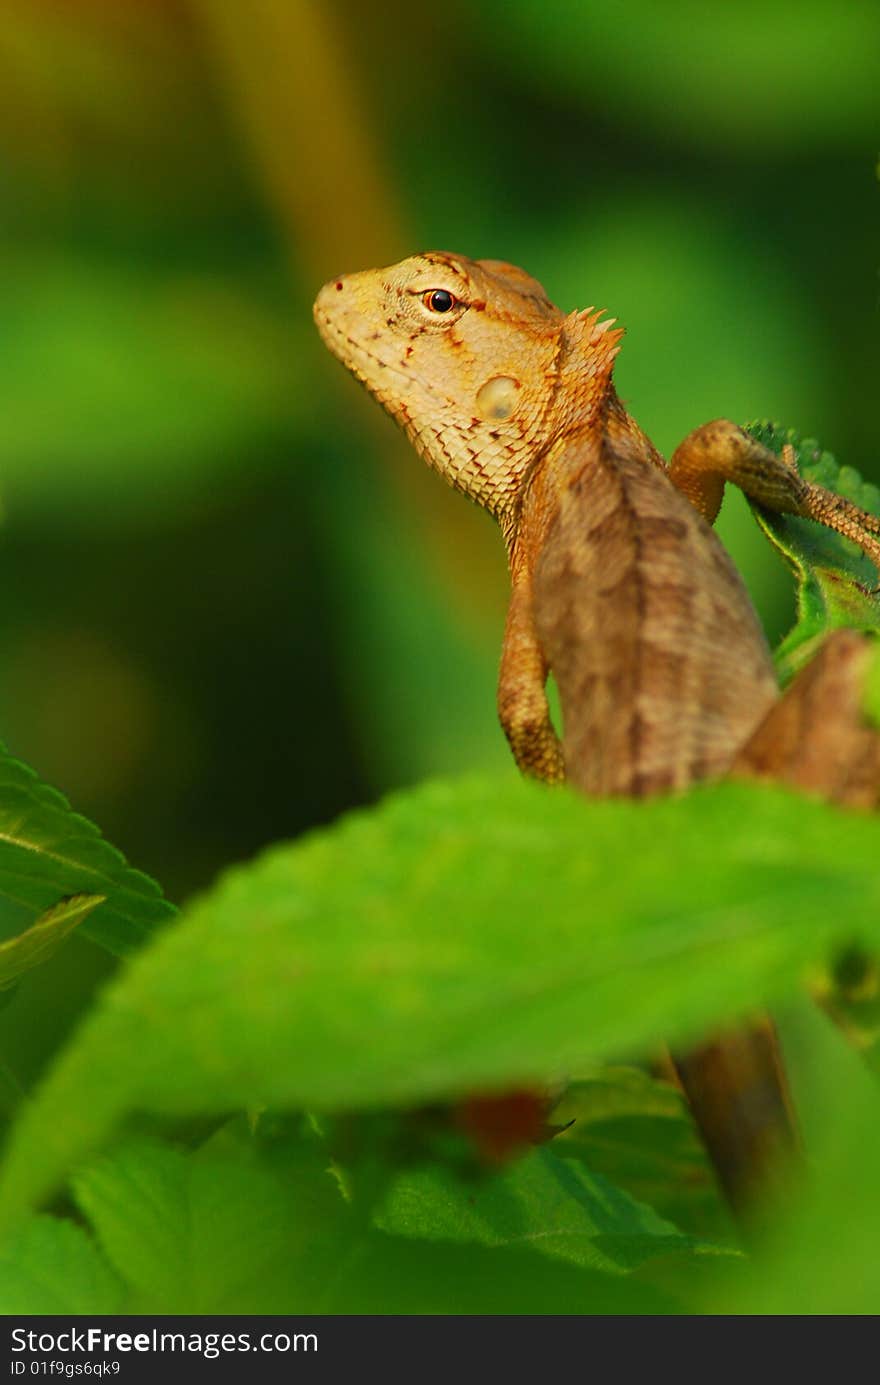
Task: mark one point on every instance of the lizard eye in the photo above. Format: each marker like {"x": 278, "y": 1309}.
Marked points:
{"x": 439, "y": 301}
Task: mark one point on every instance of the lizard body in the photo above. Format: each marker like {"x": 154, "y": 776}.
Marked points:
{"x": 620, "y": 586}
{"x": 646, "y": 626}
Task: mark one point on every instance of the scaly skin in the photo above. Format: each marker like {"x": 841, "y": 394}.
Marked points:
{"x": 619, "y": 584}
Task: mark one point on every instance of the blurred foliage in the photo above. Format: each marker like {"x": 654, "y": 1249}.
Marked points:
{"x": 718, "y": 75}
{"x": 391, "y": 964}
{"x": 236, "y": 603}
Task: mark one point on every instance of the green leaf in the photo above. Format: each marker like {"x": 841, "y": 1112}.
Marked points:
{"x": 835, "y": 581}
{"x": 47, "y": 851}
{"x": 228, "y": 1232}
{"x": 208, "y": 1234}
{"x": 43, "y": 938}
{"x": 639, "y": 1133}
{"x": 52, "y": 1266}
{"x": 544, "y": 1201}
{"x": 214, "y": 1233}
{"x": 460, "y": 937}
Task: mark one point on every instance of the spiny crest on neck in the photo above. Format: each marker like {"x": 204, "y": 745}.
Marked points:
{"x": 593, "y": 339}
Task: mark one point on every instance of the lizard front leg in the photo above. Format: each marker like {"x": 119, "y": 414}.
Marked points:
{"x": 720, "y": 451}
{"x": 522, "y": 697}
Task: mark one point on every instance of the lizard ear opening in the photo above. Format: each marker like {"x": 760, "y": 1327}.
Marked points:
{"x": 497, "y": 398}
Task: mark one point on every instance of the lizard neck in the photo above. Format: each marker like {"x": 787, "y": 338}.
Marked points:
{"x": 579, "y": 398}
{"x": 584, "y": 413}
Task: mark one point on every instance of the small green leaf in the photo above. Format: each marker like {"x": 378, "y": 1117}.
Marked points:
{"x": 43, "y": 938}
{"x": 47, "y": 851}
{"x": 461, "y": 937}
{"x": 546, "y": 1201}
{"x": 213, "y": 1233}
{"x": 835, "y": 581}
{"x": 53, "y": 1266}
{"x": 639, "y": 1133}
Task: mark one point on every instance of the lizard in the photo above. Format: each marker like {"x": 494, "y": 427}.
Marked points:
{"x": 619, "y": 587}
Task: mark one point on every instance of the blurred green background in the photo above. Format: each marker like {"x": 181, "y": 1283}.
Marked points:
{"x": 236, "y": 603}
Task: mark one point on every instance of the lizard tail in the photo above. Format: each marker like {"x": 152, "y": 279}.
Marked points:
{"x": 738, "y": 1095}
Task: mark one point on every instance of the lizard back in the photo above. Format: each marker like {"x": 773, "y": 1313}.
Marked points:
{"x": 662, "y": 667}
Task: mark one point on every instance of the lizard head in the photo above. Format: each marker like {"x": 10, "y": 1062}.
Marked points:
{"x": 468, "y": 356}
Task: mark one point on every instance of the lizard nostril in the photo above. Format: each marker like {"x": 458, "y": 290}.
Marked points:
{"x": 339, "y": 286}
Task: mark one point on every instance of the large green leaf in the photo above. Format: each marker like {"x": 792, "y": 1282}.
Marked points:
{"x": 836, "y": 582}
{"x": 48, "y": 852}
{"x": 460, "y": 937}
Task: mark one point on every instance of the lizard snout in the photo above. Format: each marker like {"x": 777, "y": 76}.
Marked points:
{"x": 329, "y": 297}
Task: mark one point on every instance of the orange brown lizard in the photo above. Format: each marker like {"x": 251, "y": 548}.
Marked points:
{"x": 620, "y": 586}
